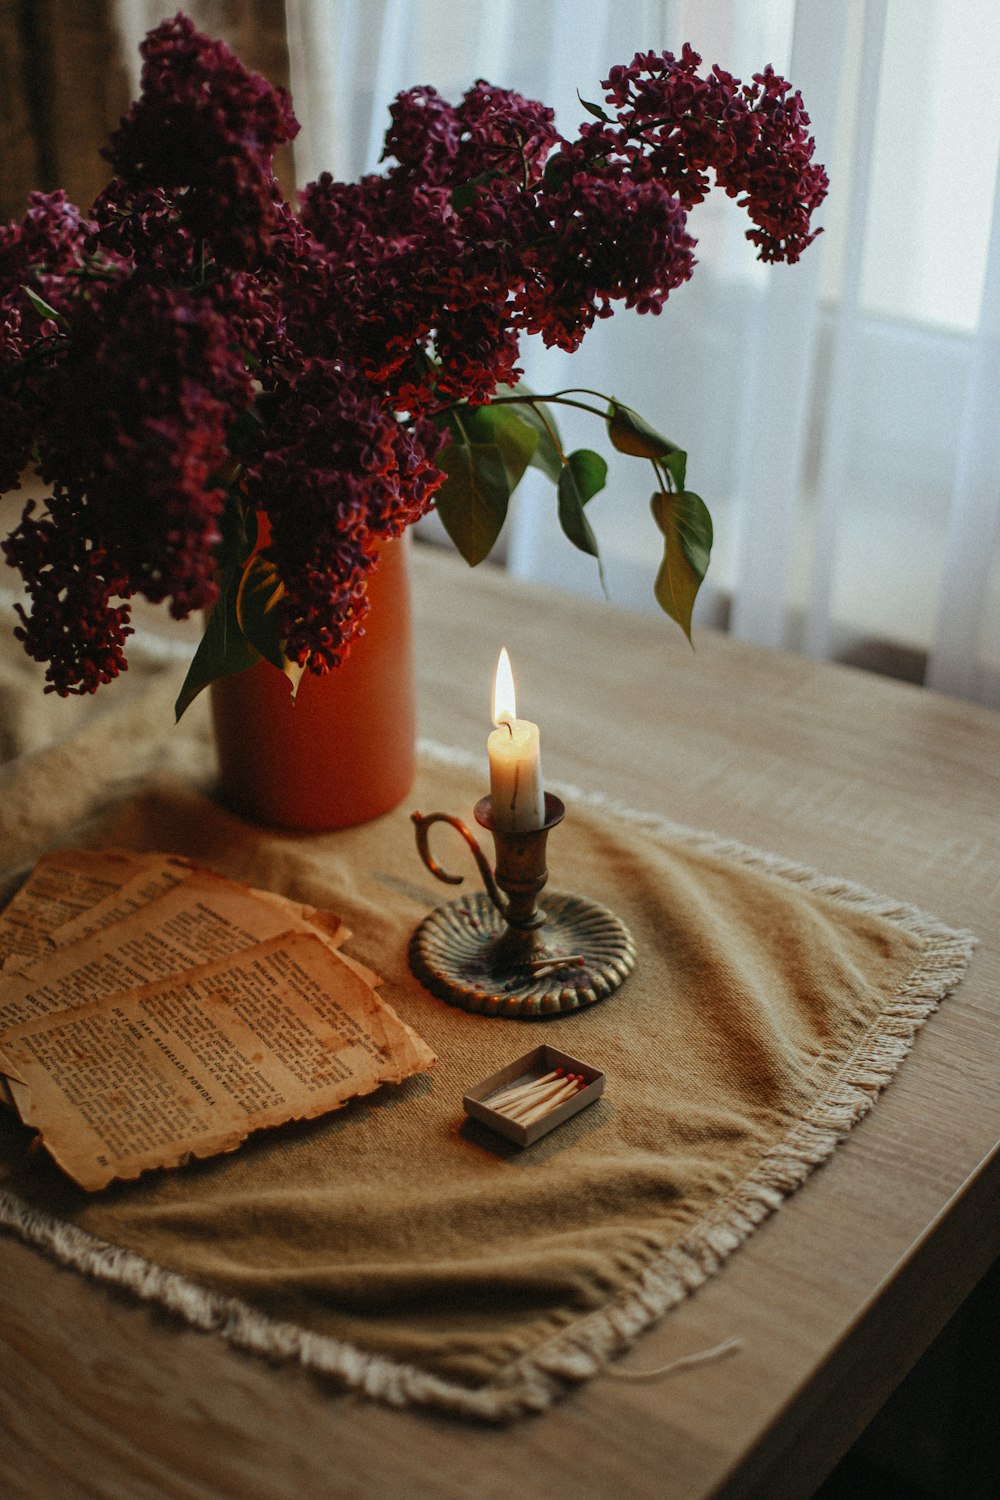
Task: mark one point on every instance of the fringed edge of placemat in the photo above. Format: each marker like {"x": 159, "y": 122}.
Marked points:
{"x": 532, "y": 1382}
{"x": 584, "y": 1349}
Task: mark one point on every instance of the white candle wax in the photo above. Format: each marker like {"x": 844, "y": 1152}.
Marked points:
{"x": 516, "y": 776}
{"x": 516, "y": 789}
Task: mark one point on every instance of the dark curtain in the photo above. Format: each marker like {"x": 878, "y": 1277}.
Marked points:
{"x": 63, "y": 87}
{"x": 64, "y": 83}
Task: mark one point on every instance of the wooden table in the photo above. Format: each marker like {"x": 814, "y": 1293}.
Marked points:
{"x": 833, "y": 1298}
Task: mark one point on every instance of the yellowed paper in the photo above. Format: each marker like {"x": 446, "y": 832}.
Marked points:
{"x": 201, "y": 918}
{"x": 152, "y": 875}
{"x": 61, "y": 886}
{"x": 190, "y": 1066}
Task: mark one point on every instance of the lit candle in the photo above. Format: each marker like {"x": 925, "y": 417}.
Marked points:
{"x": 515, "y": 760}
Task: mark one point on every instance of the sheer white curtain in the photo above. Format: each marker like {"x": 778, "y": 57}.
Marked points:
{"x": 838, "y": 414}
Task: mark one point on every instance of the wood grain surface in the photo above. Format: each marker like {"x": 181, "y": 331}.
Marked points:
{"x": 832, "y": 1299}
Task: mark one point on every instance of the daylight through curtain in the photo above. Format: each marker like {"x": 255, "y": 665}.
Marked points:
{"x": 838, "y": 413}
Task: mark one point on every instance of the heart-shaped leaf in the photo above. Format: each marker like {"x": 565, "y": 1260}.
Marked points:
{"x": 583, "y": 475}
{"x": 506, "y": 427}
{"x": 687, "y": 530}
{"x": 631, "y": 433}
{"x": 472, "y": 501}
{"x": 548, "y": 454}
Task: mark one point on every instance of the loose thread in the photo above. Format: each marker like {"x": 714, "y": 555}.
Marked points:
{"x": 685, "y": 1362}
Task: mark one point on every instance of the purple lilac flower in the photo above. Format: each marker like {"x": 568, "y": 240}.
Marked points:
{"x": 204, "y": 130}
{"x": 206, "y": 346}
{"x": 340, "y": 476}
{"x": 675, "y": 125}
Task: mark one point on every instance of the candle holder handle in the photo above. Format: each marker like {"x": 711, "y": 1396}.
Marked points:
{"x": 423, "y": 824}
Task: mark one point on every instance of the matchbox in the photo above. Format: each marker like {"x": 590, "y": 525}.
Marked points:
{"x": 534, "y": 1094}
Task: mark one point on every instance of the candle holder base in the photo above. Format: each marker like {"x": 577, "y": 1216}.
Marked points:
{"x": 466, "y": 954}
{"x": 497, "y": 952}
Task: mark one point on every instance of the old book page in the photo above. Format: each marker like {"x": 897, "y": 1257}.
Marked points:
{"x": 191, "y": 1065}
{"x": 61, "y": 886}
{"x": 151, "y": 1011}
{"x": 71, "y": 891}
{"x": 200, "y": 918}
{"x": 49, "y": 914}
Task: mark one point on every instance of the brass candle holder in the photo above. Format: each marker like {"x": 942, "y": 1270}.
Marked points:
{"x": 496, "y": 951}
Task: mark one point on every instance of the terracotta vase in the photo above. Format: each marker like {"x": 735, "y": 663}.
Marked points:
{"x": 343, "y": 751}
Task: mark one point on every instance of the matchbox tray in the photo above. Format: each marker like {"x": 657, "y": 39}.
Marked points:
{"x": 534, "y": 1064}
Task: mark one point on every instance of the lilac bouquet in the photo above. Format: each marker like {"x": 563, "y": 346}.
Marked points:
{"x": 233, "y": 405}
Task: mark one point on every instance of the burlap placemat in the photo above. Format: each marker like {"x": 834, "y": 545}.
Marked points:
{"x": 407, "y": 1252}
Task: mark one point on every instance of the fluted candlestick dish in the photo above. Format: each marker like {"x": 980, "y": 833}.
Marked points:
{"x": 498, "y": 951}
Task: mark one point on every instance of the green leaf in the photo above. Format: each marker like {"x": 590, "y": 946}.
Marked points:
{"x": 558, "y": 170}
{"x": 631, "y": 433}
{"x": 547, "y": 456}
{"x": 584, "y": 473}
{"x": 42, "y": 308}
{"x": 676, "y": 466}
{"x": 472, "y": 501}
{"x": 258, "y": 595}
{"x": 222, "y": 650}
{"x": 594, "y": 109}
{"x": 467, "y": 192}
{"x": 503, "y": 426}
{"x": 687, "y": 529}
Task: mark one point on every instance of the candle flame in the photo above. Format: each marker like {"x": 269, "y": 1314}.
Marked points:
{"x": 504, "y": 705}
